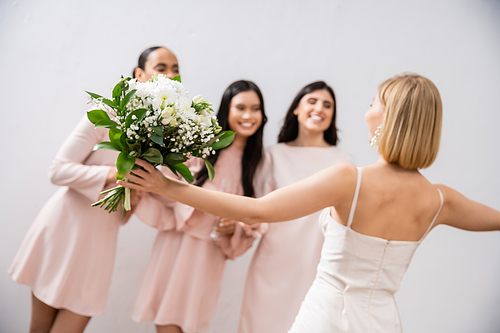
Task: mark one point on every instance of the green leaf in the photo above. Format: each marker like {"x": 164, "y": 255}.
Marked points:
{"x": 119, "y": 177}
{"x": 185, "y": 172}
{"x": 171, "y": 167}
{"x": 174, "y": 158}
{"x": 115, "y": 137}
{"x": 109, "y": 103}
{"x": 93, "y": 95}
{"x": 170, "y": 131}
{"x": 157, "y": 139}
{"x": 127, "y": 98}
{"x": 124, "y": 143}
{"x": 105, "y": 145}
{"x": 153, "y": 155}
{"x": 124, "y": 163}
{"x": 117, "y": 91}
{"x": 107, "y": 123}
{"x": 157, "y": 136}
{"x": 158, "y": 130}
{"x": 210, "y": 169}
{"x": 135, "y": 147}
{"x": 225, "y": 139}
{"x": 95, "y": 115}
{"x": 176, "y": 78}
{"x": 139, "y": 113}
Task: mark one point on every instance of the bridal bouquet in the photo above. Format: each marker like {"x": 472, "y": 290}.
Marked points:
{"x": 158, "y": 122}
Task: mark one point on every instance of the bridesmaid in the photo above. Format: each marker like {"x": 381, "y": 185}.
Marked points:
{"x": 284, "y": 264}
{"x": 68, "y": 253}
{"x": 182, "y": 282}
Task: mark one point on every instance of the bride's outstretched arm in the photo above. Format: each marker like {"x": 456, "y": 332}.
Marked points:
{"x": 326, "y": 188}
{"x": 461, "y": 212}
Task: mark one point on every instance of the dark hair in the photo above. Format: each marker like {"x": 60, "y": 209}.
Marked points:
{"x": 290, "y": 129}
{"x": 144, "y": 57}
{"x": 253, "y": 152}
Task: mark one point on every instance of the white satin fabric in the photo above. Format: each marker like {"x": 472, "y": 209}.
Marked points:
{"x": 356, "y": 280}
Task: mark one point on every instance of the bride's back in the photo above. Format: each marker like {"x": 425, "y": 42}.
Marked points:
{"x": 393, "y": 203}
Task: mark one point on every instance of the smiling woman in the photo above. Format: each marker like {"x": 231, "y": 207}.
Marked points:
{"x": 314, "y": 114}
{"x": 244, "y": 115}
{"x": 308, "y": 141}
{"x": 181, "y": 285}
{"x": 311, "y": 116}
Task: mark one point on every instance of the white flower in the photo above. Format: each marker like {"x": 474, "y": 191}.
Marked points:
{"x": 143, "y": 89}
{"x": 184, "y": 104}
{"x": 132, "y": 83}
{"x": 207, "y": 118}
{"x": 163, "y": 97}
{"x": 167, "y": 113}
{"x": 198, "y": 119}
{"x": 197, "y": 99}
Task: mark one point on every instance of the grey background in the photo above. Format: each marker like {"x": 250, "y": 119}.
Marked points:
{"x": 51, "y": 51}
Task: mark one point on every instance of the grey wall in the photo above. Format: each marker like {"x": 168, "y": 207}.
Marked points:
{"x": 51, "y": 51}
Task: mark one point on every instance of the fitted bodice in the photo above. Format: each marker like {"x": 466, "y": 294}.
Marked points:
{"x": 361, "y": 263}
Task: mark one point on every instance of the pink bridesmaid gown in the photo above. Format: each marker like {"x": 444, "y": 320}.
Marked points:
{"x": 284, "y": 265}
{"x": 68, "y": 253}
{"x": 184, "y": 273}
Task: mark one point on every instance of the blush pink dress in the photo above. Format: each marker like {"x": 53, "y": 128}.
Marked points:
{"x": 184, "y": 273}
{"x": 68, "y": 253}
{"x": 284, "y": 265}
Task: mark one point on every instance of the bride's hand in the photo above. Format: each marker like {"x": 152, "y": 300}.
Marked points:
{"x": 147, "y": 179}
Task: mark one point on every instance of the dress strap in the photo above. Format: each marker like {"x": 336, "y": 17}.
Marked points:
{"x": 355, "y": 199}
{"x": 435, "y": 216}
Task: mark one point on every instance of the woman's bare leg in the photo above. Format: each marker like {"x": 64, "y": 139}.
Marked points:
{"x": 42, "y": 316}
{"x": 69, "y": 322}
{"x": 168, "y": 329}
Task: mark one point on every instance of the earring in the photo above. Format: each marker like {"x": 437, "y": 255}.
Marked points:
{"x": 373, "y": 141}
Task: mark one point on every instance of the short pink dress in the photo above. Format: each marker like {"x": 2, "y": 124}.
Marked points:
{"x": 184, "y": 274}
{"x": 284, "y": 265}
{"x": 68, "y": 253}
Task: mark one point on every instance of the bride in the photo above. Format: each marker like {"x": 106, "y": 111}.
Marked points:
{"x": 373, "y": 218}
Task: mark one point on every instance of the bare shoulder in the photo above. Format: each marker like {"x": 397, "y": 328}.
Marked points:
{"x": 461, "y": 212}
{"x": 340, "y": 178}
{"x": 335, "y": 178}
{"x": 450, "y": 200}
{"x": 342, "y": 172}
{"x": 451, "y": 197}
{"x": 346, "y": 168}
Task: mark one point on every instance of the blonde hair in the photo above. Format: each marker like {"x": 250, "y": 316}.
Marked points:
{"x": 411, "y": 131}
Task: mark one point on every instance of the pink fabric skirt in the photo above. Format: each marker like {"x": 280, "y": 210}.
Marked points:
{"x": 182, "y": 282}
{"x": 68, "y": 254}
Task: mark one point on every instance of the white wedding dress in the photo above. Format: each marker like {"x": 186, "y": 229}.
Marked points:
{"x": 356, "y": 280}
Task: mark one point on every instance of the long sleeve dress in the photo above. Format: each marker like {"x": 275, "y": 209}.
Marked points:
{"x": 284, "y": 265}
{"x": 184, "y": 273}
{"x": 67, "y": 255}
